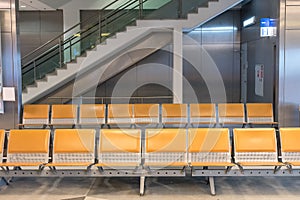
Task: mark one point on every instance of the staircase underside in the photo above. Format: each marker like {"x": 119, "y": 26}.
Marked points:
{"x": 119, "y": 53}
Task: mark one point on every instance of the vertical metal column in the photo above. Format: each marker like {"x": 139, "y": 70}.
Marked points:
{"x": 11, "y": 67}
{"x": 1, "y": 78}
{"x": 177, "y": 66}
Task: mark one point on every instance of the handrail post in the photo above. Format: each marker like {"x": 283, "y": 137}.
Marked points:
{"x": 70, "y": 50}
{"x": 60, "y": 52}
{"x": 99, "y": 27}
{"x": 141, "y": 7}
{"x": 179, "y": 9}
{"x": 34, "y": 70}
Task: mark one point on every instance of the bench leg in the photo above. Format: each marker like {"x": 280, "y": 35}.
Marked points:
{"x": 212, "y": 185}
{"x": 5, "y": 180}
{"x": 142, "y": 185}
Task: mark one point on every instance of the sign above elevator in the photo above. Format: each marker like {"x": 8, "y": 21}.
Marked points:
{"x": 268, "y": 27}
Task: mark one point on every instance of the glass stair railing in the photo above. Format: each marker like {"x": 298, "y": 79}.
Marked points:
{"x": 112, "y": 18}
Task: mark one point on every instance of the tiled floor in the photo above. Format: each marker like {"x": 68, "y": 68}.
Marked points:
{"x": 227, "y": 188}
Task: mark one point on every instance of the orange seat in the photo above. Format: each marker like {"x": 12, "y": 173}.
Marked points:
{"x": 27, "y": 148}
{"x": 290, "y": 148}
{"x": 120, "y": 114}
{"x": 65, "y": 114}
{"x": 119, "y": 148}
{"x": 166, "y": 147}
{"x": 92, "y": 114}
{"x": 203, "y": 113}
{"x": 174, "y": 114}
{"x": 231, "y": 113}
{"x": 2, "y": 136}
{"x": 209, "y": 147}
{"x": 146, "y": 113}
{"x": 35, "y": 115}
{"x": 260, "y": 113}
{"x": 256, "y": 147}
{"x": 73, "y": 147}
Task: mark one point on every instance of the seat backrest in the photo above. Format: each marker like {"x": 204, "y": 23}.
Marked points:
{"x": 92, "y": 114}
{"x": 203, "y": 113}
{"x": 259, "y": 112}
{"x": 174, "y": 113}
{"x": 64, "y": 114}
{"x": 231, "y": 113}
{"x": 290, "y": 147}
{"x": 74, "y": 145}
{"x": 28, "y": 146}
{"x": 36, "y": 114}
{"x": 146, "y": 113}
{"x": 120, "y": 146}
{"x": 2, "y": 136}
{"x": 255, "y": 145}
{"x": 119, "y": 114}
{"x": 209, "y": 145}
{"x": 165, "y": 145}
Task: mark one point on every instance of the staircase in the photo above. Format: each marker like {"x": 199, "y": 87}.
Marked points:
{"x": 91, "y": 54}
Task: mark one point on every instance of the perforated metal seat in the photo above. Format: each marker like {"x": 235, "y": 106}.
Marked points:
{"x": 209, "y": 147}
{"x": 2, "y": 136}
{"x": 146, "y": 113}
{"x": 119, "y": 148}
{"x": 255, "y": 147}
{"x": 92, "y": 114}
{"x": 120, "y": 114}
{"x": 203, "y": 114}
{"x": 231, "y": 113}
{"x": 35, "y": 115}
{"x": 27, "y": 148}
{"x": 166, "y": 148}
{"x": 73, "y": 148}
{"x": 174, "y": 114}
{"x": 290, "y": 148}
{"x": 260, "y": 113}
{"x": 64, "y": 115}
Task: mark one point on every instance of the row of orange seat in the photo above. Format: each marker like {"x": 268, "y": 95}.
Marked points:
{"x": 100, "y": 114}
{"x": 161, "y": 149}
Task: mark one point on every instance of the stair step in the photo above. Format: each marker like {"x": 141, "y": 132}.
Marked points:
{"x": 120, "y": 40}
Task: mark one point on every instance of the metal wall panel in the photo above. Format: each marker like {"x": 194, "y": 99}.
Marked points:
{"x": 38, "y": 27}
{"x": 5, "y": 4}
{"x": 292, "y": 17}
{"x": 5, "y": 18}
{"x": 216, "y": 44}
{"x": 293, "y": 2}
{"x": 146, "y": 76}
{"x": 11, "y": 62}
{"x": 292, "y": 74}
{"x": 289, "y": 71}
{"x": 260, "y": 50}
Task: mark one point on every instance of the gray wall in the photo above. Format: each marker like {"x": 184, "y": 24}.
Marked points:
{"x": 260, "y": 50}
{"x": 10, "y": 62}
{"x": 289, "y": 70}
{"x": 223, "y": 46}
{"x": 219, "y": 39}
{"x": 38, "y": 27}
{"x": 156, "y": 68}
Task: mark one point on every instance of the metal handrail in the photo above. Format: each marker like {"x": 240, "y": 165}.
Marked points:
{"x": 65, "y": 32}
{"x": 89, "y": 37}
{"x": 106, "y": 17}
{"x": 61, "y": 99}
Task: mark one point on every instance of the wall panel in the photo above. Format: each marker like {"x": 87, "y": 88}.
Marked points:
{"x": 38, "y": 27}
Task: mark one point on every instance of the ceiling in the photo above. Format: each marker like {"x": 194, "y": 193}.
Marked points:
{"x": 55, "y": 4}
{"x": 42, "y": 4}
